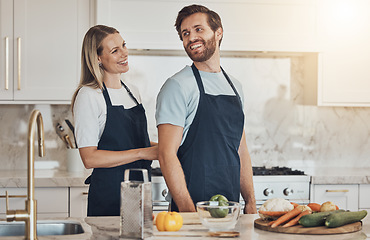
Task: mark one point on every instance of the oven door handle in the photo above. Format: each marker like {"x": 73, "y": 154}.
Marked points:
{"x": 340, "y": 190}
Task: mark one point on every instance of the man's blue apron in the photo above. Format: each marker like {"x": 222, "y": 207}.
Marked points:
{"x": 209, "y": 155}
{"x": 124, "y": 129}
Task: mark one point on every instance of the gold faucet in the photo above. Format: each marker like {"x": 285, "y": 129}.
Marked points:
{"x": 29, "y": 215}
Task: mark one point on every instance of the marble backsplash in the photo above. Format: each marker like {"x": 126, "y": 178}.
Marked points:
{"x": 281, "y": 129}
{"x": 14, "y": 130}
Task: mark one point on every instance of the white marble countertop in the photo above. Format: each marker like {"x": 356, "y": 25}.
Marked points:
{"x": 339, "y": 175}
{"x": 108, "y": 228}
{"x": 44, "y": 178}
{"x": 55, "y": 178}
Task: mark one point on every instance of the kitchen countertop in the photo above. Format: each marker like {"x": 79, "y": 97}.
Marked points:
{"x": 44, "y": 178}
{"x": 56, "y": 178}
{"x": 108, "y": 228}
{"x": 338, "y": 175}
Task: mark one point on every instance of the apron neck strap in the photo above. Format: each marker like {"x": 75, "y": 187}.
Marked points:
{"x": 107, "y": 98}
{"x": 106, "y": 95}
{"x": 130, "y": 93}
{"x": 198, "y": 78}
{"x": 200, "y": 83}
{"x": 232, "y": 86}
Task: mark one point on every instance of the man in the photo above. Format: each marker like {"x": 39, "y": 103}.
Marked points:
{"x": 200, "y": 119}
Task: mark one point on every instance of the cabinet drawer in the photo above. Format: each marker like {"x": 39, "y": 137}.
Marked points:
{"x": 344, "y": 196}
{"x": 78, "y": 201}
{"x": 49, "y": 200}
{"x": 364, "y": 196}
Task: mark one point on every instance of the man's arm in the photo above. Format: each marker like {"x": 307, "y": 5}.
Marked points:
{"x": 246, "y": 177}
{"x": 169, "y": 140}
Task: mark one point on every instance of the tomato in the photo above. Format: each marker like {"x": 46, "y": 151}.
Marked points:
{"x": 168, "y": 221}
{"x": 222, "y": 201}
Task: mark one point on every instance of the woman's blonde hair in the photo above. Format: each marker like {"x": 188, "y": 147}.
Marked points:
{"x": 91, "y": 73}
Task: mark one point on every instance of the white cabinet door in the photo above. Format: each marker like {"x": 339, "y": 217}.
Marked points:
{"x": 51, "y": 202}
{"x": 344, "y": 196}
{"x": 364, "y": 196}
{"x": 265, "y": 25}
{"x": 344, "y": 38}
{"x": 6, "y": 49}
{"x": 44, "y": 47}
{"x": 78, "y": 201}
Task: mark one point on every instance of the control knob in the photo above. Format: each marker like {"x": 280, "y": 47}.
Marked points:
{"x": 288, "y": 191}
{"x": 268, "y": 192}
{"x": 164, "y": 192}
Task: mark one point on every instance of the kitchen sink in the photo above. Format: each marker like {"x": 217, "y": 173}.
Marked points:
{"x": 44, "y": 227}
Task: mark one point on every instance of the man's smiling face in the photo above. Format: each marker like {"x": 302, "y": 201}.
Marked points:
{"x": 199, "y": 41}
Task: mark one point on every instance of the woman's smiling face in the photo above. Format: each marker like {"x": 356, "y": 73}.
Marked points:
{"x": 114, "y": 57}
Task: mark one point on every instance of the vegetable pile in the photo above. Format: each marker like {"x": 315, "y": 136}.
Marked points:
{"x": 310, "y": 215}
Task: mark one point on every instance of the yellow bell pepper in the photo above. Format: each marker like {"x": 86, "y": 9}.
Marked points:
{"x": 168, "y": 221}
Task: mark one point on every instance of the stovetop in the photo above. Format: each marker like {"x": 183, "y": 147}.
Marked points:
{"x": 262, "y": 171}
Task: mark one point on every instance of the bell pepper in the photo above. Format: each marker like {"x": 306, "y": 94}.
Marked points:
{"x": 221, "y": 201}
{"x": 168, "y": 221}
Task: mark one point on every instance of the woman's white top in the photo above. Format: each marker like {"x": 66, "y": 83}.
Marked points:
{"x": 90, "y": 112}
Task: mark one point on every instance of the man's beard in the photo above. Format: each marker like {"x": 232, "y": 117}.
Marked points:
{"x": 209, "y": 50}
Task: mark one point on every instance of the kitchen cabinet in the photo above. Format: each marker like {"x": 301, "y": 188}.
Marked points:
{"x": 364, "y": 197}
{"x": 344, "y": 37}
{"x": 265, "y": 25}
{"x": 78, "y": 201}
{"x": 51, "y": 202}
{"x": 40, "y": 49}
{"x": 344, "y": 196}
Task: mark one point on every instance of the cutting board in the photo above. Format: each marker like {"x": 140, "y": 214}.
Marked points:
{"x": 193, "y": 228}
{"x": 353, "y": 227}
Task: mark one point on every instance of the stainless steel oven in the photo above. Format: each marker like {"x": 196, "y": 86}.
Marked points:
{"x": 281, "y": 182}
{"x": 159, "y": 191}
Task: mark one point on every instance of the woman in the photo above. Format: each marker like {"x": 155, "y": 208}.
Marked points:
{"x": 110, "y": 122}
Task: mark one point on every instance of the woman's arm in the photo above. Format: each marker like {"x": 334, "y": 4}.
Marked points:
{"x": 94, "y": 158}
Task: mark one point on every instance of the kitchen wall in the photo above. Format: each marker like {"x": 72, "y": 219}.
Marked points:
{"x": 281, "y": 128}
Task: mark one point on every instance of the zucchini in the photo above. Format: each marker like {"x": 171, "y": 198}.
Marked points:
{"x": 343, "y": 218}
{"x": 316, "y": 219}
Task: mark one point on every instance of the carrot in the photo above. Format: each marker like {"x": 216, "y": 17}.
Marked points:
{"x": 270, "y": 223}
{"x": 286, "y": 217}
{"x": 294, "y": 204}
{"x": 295, "y": 220}
{"x": 314, "y": 207}
{"x": 273, "y": 213}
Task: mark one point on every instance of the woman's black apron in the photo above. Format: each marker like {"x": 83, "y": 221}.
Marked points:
{"x": 124, "y": 129}
{"x": 209, "y": 155}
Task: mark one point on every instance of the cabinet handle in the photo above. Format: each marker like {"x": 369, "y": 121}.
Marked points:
{"x": 344, "y": 190}
{"x": 85, "y": 193}
{"x": 19, "y": 42}
{"x": 14, "y": 196}
{"x": 6, "y": 63}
